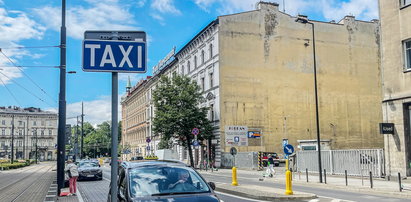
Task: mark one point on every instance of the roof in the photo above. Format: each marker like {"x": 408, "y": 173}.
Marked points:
{"x": 135, "y": 164}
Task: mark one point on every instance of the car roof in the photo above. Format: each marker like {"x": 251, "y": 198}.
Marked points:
{"x": 140, "y": 163}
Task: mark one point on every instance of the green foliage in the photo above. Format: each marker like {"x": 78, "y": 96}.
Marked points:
{"x": 177, "y": 102}
{"x": 7, "y": 166}
{"x": 97, "y": 141}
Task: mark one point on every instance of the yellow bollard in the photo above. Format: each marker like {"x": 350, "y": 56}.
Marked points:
{"x": 288, "y": 185}
{"x": 235, "y": 183}
{"x": 286, "y": 165}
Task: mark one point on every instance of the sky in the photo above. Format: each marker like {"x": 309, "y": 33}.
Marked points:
{"x": 30, "y": 36}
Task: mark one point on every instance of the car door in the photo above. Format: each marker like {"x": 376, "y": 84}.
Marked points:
{"x": 122, "y": 191}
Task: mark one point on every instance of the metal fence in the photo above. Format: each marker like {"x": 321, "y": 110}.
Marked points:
{"x": 356, "y": 162}
{"x": 245, "y": 160}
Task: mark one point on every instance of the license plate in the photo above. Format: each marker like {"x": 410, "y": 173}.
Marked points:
{"x": 90, "y": 175}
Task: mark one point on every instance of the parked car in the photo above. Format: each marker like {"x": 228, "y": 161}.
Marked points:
{"x": 161, "y": 180}
{"x": 89, "y": 169}
{"x": 135, "y": 158}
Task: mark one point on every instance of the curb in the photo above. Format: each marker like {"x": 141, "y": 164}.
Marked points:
{"x": 266, "y": 198}
{"x": 52, "y": 193}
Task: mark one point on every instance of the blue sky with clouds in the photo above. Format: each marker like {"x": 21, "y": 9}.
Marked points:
{"x": 168, "y": 23}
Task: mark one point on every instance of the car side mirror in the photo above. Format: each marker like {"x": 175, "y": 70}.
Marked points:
{"x": 212, "y": 185}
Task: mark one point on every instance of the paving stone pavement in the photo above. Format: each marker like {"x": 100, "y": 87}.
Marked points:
{"x": 94, "y": 190}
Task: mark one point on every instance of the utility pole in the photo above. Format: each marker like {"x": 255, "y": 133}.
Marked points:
{"x": 82, "y": 130}
{"x": 62, "y": 103}
{"x": 36, "y": 147}
{"x": 76, "y": 141}
{"x": 12, "y": 138}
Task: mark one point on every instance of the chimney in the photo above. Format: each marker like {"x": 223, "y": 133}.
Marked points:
{"x": 262, "y": 5}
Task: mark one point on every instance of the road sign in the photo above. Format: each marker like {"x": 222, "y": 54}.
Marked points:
{"x": 195, "y": 131}
{"x": 196, "y": 143}
{"x": 148, "y": 140}
{"x": 233, "y": 151}
{"x": 288, "y": 149}
{"x": 114, "y": 56}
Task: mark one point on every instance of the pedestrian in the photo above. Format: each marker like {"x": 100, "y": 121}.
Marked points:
{"x": 270, "y": 168}
{"x": 72, "y": 172}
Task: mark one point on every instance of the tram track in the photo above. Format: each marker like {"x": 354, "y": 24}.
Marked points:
{"x": 27, "y": 187}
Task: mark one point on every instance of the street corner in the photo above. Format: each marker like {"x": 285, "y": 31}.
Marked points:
{"x": 262, "y": 192}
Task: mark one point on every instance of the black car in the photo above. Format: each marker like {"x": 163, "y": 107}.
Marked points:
{"x": 89, "y": 169}
{"x": 162, "y": 180}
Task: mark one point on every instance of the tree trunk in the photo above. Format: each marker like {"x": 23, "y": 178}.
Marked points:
{"x": 190, "y": 152}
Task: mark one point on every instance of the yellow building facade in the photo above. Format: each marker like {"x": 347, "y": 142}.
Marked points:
{"x": 267, "y": 80}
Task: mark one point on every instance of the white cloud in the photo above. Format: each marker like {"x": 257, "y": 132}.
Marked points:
{"x": 100, "y": 15}
{"x": 330, "y": 9}
{"x": 96, "y": 111}
{"x": 134, "y": 78}
{"x": 158, "y": 18}
{"x": 141, "y": 3}
{"x": 165, "y": 6}
{"x": 361, "y": 9}
{"x": 14, "y": 27}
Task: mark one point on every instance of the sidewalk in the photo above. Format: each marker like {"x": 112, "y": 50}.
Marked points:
{"x": 355, "y": 184}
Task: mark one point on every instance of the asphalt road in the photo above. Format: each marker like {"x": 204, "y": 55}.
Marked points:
{"x": 324, "y": 194}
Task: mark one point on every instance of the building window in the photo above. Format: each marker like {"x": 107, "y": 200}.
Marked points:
{"x": 20, "y": 133}
{"x": 34, "y": 123}
{"x": 42, "y": 132}
{"x": 202, "y": 84}
{"x": 212, "y": 112}
{"x": 3, "y": 131}
{"x": 3, "y": 122}
{"x": 50, "y": 132}
{"x": 407, "y": 53}
{"x": 405, "y": 2}
{"x": 182, "y": 70}
{"x": 202, "y": 57}
{"x": 195, "y": 61}
{"x": 188, "y": 66}
{"x": 211, "y": 80}
{"x": 43, "y": 123}
{"x": 20, "y": 123}
{"x": 211, "y": 50}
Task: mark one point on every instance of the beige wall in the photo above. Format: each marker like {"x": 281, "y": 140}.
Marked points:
{"x": 395, "y": 27}
{"x": 266, "y": 75}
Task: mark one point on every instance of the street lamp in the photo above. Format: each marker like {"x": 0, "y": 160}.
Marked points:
{"x": 303, "y": 19}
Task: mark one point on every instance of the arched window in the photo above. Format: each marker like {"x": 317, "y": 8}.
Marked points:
{"x": 182, "y": 70}
{"x": 195, "y": 61}
{"x": 202, "y": 57}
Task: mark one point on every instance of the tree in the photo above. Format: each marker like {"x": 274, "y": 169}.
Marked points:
{"x": 177, "y": 102}
{"x": 97, "y": 141}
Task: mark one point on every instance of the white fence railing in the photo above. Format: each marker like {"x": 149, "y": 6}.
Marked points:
{"x": 356, "y": 162}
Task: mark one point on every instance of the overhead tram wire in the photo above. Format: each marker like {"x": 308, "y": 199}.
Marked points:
{"x": 10, "y": 92}
{"x": 26, "y": 89}
{"x": 28, "y": 47}
{"x": 35, "y": 66}
{"x": 11, "y": 61}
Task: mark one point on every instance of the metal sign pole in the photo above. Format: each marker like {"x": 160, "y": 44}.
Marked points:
{"x": 114, "y": 135}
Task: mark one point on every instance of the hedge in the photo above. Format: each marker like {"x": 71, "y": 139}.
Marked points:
{"x": 7, "y": 166}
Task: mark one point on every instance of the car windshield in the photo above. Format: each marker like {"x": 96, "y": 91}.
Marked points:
{"x": 88, "y": 164}
{"x": 161, "y": 180}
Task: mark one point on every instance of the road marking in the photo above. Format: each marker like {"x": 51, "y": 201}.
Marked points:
{"x": 239, "y": 197}
{"x": 80, "y": 198}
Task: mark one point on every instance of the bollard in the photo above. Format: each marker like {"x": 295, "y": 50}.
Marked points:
{"x": 234, "y": 183}
{"x": 288, "y": 183}
{"x": 346, "y": 179}
{"x": 306, "y": 173}
{"x": 399, "y": 181}
{"x": 371, "y": 180}
{"x": 325, "y": 176}
{"x": 286, "y": 165}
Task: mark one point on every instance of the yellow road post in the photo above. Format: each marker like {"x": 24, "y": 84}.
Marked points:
{"x": 234, "y": 183}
